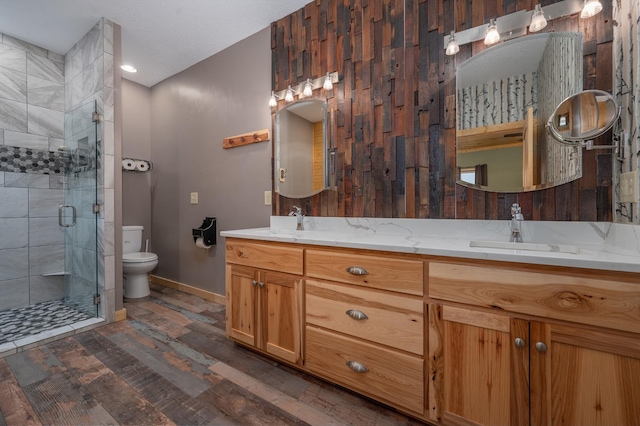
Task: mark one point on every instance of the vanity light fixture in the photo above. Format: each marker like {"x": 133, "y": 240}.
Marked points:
{"x": 272, "y": 100}
{"x": 452, "y": 46}
{"x": 128, "y": 68}
{"x": 515, "y": 24}
{"x": 538, "y": 21}
{"x": 590, "y": 8}
{"x": 304, "y": 89}
{"x": 308, "y": 90}
{"x": 328, "y": 84}
{"x": 288, "y": 97}
{"x": 493, "y": 36}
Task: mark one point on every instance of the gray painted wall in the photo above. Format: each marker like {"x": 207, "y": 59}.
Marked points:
{"x": 136, "y": 143}
{"x": 191, "y": 112}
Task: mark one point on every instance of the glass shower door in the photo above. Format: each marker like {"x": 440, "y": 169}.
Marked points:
{"x": 79, "y": 213}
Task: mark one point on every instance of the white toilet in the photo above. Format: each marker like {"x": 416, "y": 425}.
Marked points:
{"x": 135, "y": 264}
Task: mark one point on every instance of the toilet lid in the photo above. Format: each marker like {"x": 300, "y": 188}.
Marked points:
{"x": 139, "y": 257}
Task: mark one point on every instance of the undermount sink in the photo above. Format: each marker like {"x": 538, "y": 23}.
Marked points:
{"x": 281, "y": 232}
{"x": 556, "y": 248}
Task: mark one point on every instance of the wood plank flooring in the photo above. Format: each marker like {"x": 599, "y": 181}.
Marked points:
{"x": 169, "y": 363}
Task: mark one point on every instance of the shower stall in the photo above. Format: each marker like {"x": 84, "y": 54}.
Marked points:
{"x": 52, "y": 282}
{"x": 57, "y": 197}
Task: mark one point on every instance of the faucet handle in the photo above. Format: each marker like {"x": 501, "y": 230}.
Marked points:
{"x": 296, "y": 210}
{"x": 515, "y": 209}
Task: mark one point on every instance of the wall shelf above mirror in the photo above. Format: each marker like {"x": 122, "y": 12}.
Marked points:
{"x": 504, "y": 97}
{"x": 300, "y": 149}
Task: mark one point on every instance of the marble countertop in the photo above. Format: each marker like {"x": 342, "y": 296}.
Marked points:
{"x": 593, "y": 245}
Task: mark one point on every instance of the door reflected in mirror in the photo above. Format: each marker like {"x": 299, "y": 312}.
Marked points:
{"x": 504, "y": 97}
{"x": 300, "y": 148}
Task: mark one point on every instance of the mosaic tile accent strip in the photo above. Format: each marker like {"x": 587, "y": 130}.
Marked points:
{"x": 29, "y": 160}
{"x": 27, "y": 321}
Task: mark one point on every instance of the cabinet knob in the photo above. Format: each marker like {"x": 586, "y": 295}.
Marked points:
{"x": 254, "y": 283}
{"x": 357, "y": 270}
{"x": 357, "y": 367}
{"x": 356, "y": 314}
{"x": 261, "y": 284}
{"x": 520, "y": 342}
{"x": 541, "y": 347}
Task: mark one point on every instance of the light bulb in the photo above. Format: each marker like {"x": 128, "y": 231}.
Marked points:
{"x": 590, "y": 8}
{"x": 272, "y": 100}
{"x": 308, "y": 90}
{"x": 452, "y": 46}
{"x": 328, "y": 85}
{"x": 128, "y": 68}
{"x": 492, "y": 36}
{"x": 538, "y": 21}
{"x": 289, "y": 95}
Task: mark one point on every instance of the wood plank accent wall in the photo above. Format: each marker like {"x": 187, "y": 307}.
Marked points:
{"x": 393, "y": 110}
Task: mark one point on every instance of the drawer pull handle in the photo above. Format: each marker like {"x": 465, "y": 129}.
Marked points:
{"x": 254, "y": 283}
{"x": 356, "y": 314}
{"x": 520, "y": 342}
{"x": 357, "y": 270}
{"x": 261, "y": 284}
{"x": 357, "y": 367}
{"x": 541, "y": 347}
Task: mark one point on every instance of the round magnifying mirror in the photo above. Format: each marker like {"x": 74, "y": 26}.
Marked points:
{"x": 583, "y": 116}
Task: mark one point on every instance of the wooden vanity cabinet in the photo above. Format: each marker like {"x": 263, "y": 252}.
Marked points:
{"x": 584, "y": 376}
{"x": 449, "y": 341}
{"x": 477, "y": 375}
{"x": 492, "y": 369}
{"x": 365, "y": 324}
{"x": 264, "y": 307}
{"x": 507, "y": 368}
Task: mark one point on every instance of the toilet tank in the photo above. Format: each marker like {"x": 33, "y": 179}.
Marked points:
{"x": 131, "y": 239}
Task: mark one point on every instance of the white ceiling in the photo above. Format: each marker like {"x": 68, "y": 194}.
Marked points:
{"x": 159, "y": 37}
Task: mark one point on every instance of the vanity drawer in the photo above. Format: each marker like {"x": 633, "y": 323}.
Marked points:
{"x": 386, "y": 273}
{"x": 265, "y": 256}
{"x": 576, "y": 298}
{"x": 392, "y": 320}
{"x": 393, "y": 377}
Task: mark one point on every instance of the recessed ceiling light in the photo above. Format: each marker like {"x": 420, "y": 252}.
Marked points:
{"x": 128, "y": 68}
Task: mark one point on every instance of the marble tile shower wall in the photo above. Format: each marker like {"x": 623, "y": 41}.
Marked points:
{"x": 31, "y": 130}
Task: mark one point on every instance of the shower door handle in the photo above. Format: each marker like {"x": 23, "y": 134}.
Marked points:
{"x": 73, "y": 215}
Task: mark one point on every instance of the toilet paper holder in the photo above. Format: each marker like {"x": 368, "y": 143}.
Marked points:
{"x": 206, "y": 231}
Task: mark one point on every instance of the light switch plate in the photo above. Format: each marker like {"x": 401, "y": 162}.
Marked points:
{"x": 267, "y": 198}
{"x": 629, "y": 187}
{"x": 194, "y": 198}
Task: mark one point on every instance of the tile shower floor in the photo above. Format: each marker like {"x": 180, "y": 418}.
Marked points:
{"x": 30, "y": 320}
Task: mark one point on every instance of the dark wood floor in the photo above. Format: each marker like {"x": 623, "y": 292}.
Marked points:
{"x": 169, "y": 363}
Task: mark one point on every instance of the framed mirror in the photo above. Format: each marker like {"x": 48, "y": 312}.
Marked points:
{"x": 583, "y": 116}
{"x": 504, "y": 97}
{"x": 300, "y": 148}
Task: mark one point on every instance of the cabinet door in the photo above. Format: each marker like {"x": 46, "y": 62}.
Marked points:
{"x": 281, "y": 315}
{"x": 241, "y": 288}
{"x": 478, "y": 376}
{"x": 584, "y": 376}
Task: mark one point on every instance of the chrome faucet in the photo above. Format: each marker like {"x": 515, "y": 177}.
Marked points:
{"x": 297, "y": 212}
{"x": 516, "y": 220}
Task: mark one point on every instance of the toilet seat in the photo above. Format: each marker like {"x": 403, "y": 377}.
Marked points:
{"x": 139, "y": 257}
